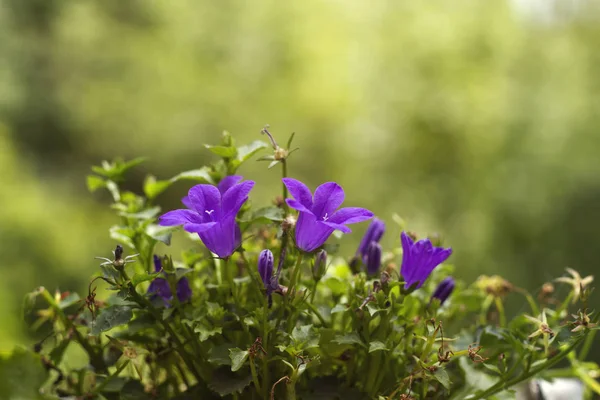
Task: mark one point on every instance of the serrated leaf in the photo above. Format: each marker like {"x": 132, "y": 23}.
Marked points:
{"x": 222, "y": 151}
{"x": 349, "y": 338}
{"x": 376, "y": 345}
{"x": 225, "y": 382}
{"x": 442, "y": 377}
{"x": 94, "y": 183}
{"x": 373, "y": 309}
{"x": 205, "y": 332}
{"x": 112, "y": 317}
{"x": 238, "y": 358}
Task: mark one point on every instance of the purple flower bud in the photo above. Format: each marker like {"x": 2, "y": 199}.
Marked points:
{"x": 444, "y": 289}
{"x": 373, "y": 258}
{"x": 157, "y": 263}
{"x": 320, "y": 265}
{"x": 184, "y": 292}
{"x": 265, "y": 267}
{"x": 373, "y": 234}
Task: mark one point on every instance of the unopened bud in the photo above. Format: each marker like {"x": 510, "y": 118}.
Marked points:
{"x": 320, "y": 265}
{"x": 373, "y": 258}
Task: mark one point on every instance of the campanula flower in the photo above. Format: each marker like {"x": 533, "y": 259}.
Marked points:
{"x": 266, "y": 262}
{"x": 211, "y": 213}
{"x": 159, "y": 287}
{"x": 318, "y": 214}
{"x": 373, "y": 234}
{"x": 373, "y": 258}
{"x": 419, "y": 259}
{"x": 444, "y": 290}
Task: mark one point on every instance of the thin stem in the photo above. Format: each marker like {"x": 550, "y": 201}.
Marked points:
{"x": 109, "y": 378}
{"x": 502, "y": 385}
{"x": 500, "y": 308}
{"x": 587, "y": 345}
{"x": 295, "y": 273}
{"x": 285, "y": 191}
{"x": 254, "y": 375}
{"x": 314, "y": 310}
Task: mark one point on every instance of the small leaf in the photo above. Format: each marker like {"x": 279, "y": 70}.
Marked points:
{"x": 205, "y": 332}
{"x": 112, "y": 317}
{"x": 349, "y": 338}
{"x": 269, "y": 214}
{"x": 222, "y": 151}
{"x": 376, "y": 345}
{"x": 274, "y": 163}
{"x": 109, "y": 272}
{"x": 247, "y": 151}
{"x": 95, "y": 182}
{"x": 147, "y": 214}
{"x": 290, "y": 140}
{"x": 71, "y": 299}
{"x": 442, "y": 377}
{"x": 140, "y": 278}
{"x": 269, "y": 157}
{"x": 339, "y": 308}
{"x": 161, "y": 233}
{"x": 201, "y": 174}
{"x": 181, "y": 272}
{"x": 225, "y": 382}
{"x": 153, "y": 187}
{"x": 123, "y": 235}
{"x": 238, "y": 358}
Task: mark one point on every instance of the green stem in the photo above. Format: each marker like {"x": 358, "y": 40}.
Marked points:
{"x": 285, "y": 191}
{"x": 587, "y": 345}
{"x": 109, "y": 378}
{"x": 501, "y": 312}
{"x": 265, "y": 338}
{"x": 502, "y": 385}
{"x": 295, "y": 273}
{"x": 314, "y": 310}
{"x": 156, "y": 314}
{"x": 254, "y": 375}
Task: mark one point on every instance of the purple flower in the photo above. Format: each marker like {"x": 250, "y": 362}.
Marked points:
{"x": 444, "y": 290}
{"x": 373, "y": 234}
{"x": 159, "y": 287}
{"x": 265, "y": 268}
{"x": 373, "y": 258}
{"x": 318, "y": 217}
{"x": 419, "y": 259}
{"x": 211, "y": 214}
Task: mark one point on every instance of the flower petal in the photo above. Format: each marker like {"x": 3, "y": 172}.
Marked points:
{"x": 198, "y": 228}
{"x": 227, "y": 182}
{"x": 206, "y": 198}
{"x": 184, "y": 291}
{"x": 179, "y": 217}
{"x": 223, "y": 238}
{"x": 235, "y": 197}
{"x": 310, "y": 233}
{"x": 328, "y": 197}
{"x": 299, "y": 191}
{"x": 339, "y": 227}
{"x": 350, "y": 215}
{"x": 296, "y": 205}
{"x": 186, "y": 202}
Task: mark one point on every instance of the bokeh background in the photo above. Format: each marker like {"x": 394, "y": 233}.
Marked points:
{"x": 474, "y": 119}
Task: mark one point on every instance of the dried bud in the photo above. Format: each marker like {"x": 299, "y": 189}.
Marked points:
{"x": 288, "y": 223}
{"x": 320, "y": 265}
{"x": 280, "y": 153}
{"x": 118, "y": 252}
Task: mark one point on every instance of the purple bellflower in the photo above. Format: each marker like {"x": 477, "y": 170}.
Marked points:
{"x": 159, "y": 287}
{"x": 444, "y": 290}
{"x": 318, "y": 214}
{"x": 211, "y": 213}
{"x": 419, "y": 260}
{"x": 373, "y": 234}
{"x": 373, "y": 258}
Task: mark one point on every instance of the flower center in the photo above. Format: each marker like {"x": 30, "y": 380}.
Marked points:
{"x": 325, "y": 217}
{"x": 210, "y": 212}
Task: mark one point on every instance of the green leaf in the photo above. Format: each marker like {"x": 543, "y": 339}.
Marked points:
{"x": 442, "y": 377}
{"x": 290, "y": 140}
{"x": 181, "y": 272}
{"x": 269, "y": 157}
{"x": 225, "y": 382}
{"x": 112, "y": 317}
{"x": 123, "y": 235}
{"x": 58, "y": 352}
{"x": 140, "y": 278}
{"x": 94, "y": 183}
{"x": 205, "y": 332}
{"x": 161, "y": 233}
{"x": 21, "y": 375}
{"x": 267, "y": 214}
{"x": 349, "y": 338}
{"x": 376, "y": 345}
{"x": 71, "y": 299}
{"x": 238, "y": 358}
{"x": 219, "y": 355}
{"x": 339, "y": 308}
{"x": 373, "y": 309}
{"x": 222, "y": 151}
{"x": 305, "y": 337}
{"x": 201, "y": 174}
{"x": 247, "y": 151}
{"x": 273, "y": 163}
{"x": 146, "y": 214}
{"x": 154, "y": 187}
{"x": 109, "y": 272}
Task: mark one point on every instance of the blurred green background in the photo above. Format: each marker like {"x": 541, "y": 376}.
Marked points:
{"x": 475, "y": 119}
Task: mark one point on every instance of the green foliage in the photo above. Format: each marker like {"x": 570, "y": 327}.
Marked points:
{"x": 369, "y": 337}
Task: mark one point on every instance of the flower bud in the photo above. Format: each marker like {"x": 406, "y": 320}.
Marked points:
{"x": 265, "y": 266}
{"x": 373, "y": 258}
{"x": 444, "y": 289}
{"x": 373, "y": 234}
{"x": 157, "y": 263}
{"x": 320, "y": 265}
